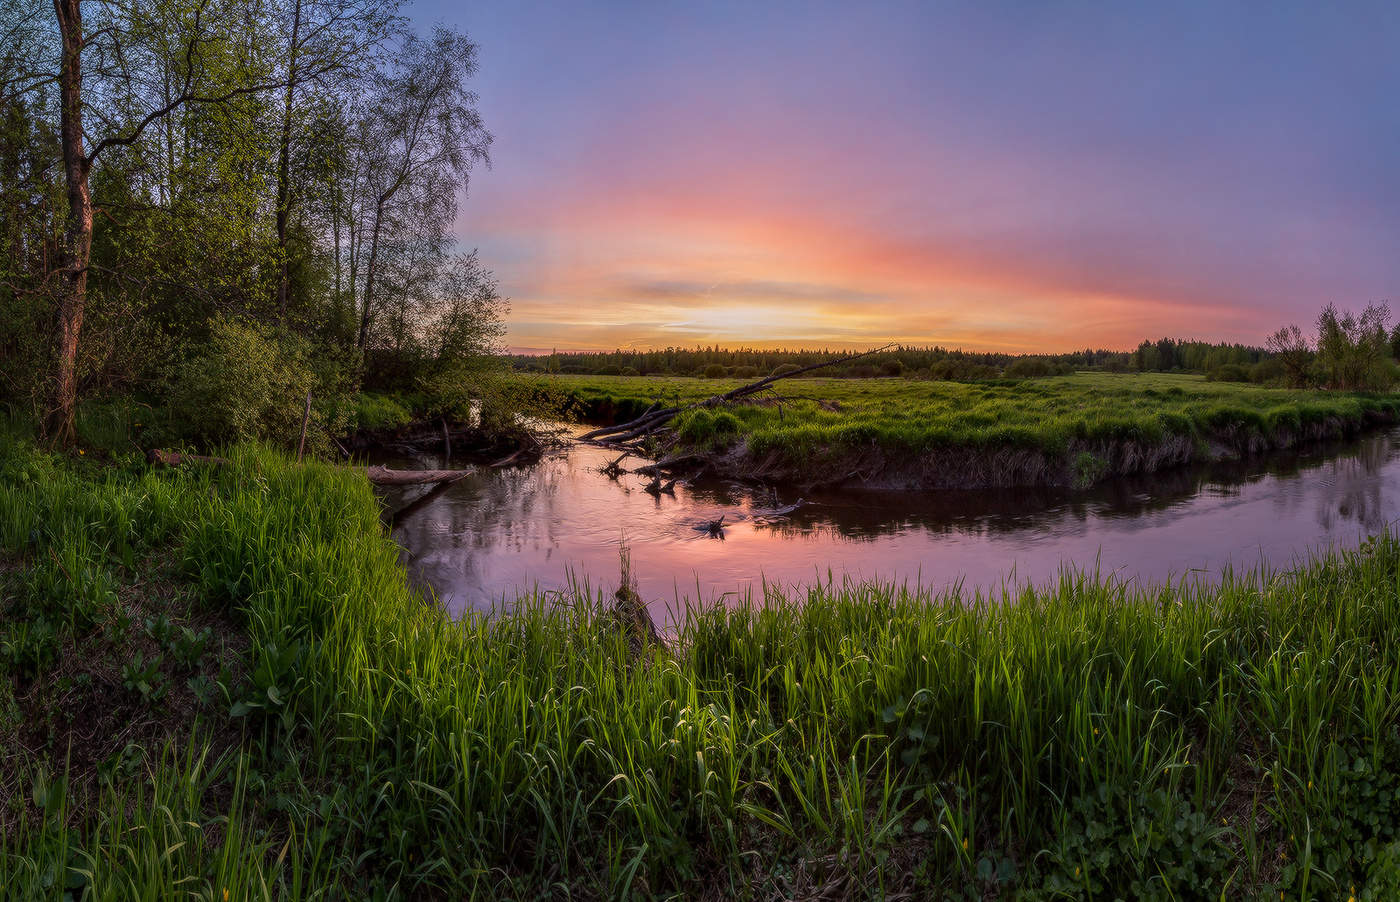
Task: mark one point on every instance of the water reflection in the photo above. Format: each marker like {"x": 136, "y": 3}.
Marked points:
{"x": 500, "y": 531}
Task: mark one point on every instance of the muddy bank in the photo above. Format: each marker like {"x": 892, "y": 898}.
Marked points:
{"x": 1080, "y": 464}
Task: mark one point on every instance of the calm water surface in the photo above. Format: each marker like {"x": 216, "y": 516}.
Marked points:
{"x": 499, "y": 532}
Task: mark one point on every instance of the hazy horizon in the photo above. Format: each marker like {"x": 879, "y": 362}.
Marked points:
{"x": 1004, "y": 177}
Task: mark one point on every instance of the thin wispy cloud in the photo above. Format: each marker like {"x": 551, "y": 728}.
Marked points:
{"x": 1024, "y": 177}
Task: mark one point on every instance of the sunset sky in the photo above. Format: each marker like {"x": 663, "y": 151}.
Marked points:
{"x": 1021, "y": 177}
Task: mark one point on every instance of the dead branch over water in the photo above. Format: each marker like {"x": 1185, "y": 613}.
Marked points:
{"x": 657, "y": 418}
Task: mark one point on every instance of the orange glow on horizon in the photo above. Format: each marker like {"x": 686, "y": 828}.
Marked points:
{"x": 681, "y": 277}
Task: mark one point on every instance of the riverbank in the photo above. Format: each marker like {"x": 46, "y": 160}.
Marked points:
{"x": 857, "y": 739}
{"x": 901, "y": 434}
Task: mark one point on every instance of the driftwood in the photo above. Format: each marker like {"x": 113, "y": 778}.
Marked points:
{"x": 654, "y": 419}
{"x": 379, "y": 475}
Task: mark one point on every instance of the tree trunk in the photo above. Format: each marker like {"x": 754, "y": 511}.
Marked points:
{"x": 369, "y": 274}
{"x": 335, "y": 233}
{"x": 76, "y": 248}
{"x": 284, "y": 154}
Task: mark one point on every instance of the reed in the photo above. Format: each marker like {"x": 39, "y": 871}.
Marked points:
{"x": 1091, "y": 736}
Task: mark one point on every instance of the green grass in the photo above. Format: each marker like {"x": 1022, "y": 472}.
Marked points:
{"x": 377, "y": 411}
{"x": 1058, "y": 417}
{"x": 1088, "y": 739}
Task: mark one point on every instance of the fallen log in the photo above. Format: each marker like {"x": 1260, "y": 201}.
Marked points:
{"x": 379, "y": 475}
{"x": 653, "y": 420}
{"x": 385, "y": 476}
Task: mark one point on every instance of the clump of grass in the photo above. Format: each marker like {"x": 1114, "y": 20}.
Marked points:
{"x": 375, "y": 411}
{"x": 1086, "y": 737}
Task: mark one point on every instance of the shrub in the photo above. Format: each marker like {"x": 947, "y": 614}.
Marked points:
{"x": 1030, "y": 368}
{"x": 1267, "y": 371}
{"x": 629, "y": 371}
{"x": 745, "y": 372}
{"x": 1228, "y": 372}
{"x": 249, "y": 383}
{"x": 380, "y": 412}
{"x": 714, "y": 371}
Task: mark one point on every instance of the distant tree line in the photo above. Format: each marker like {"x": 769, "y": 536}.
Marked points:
{"x": 940, "y": 363}
{"x": 1351, "y": 352}
{"x": 255, "y": 193}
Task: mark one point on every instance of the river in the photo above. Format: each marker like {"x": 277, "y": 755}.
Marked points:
{"x": 500, "y": 532}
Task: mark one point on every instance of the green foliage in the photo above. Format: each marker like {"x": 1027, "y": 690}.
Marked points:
{"x": 29, "y": 647}
{"x": 1353, "y": 350}
{"x": 376, "y": 411}
{"x": 1166, "y": 354}
{"x": 144, "y": 677}
{"x": 702, "y": 427}
{"x": 250, "y": 383}
{"x": 1036, "y": 368}
{"x": 1229, "y": 372}
{"x": 1140, "y": 845}
{"x": 716, "y": 371}
{"x": 1383, "y": 879}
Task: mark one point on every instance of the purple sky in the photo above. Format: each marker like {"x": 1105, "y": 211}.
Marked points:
{"x": 1037, "y": 176}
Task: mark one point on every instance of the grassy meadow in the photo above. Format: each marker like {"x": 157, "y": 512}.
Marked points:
{"x": 1074, "y": 429}
{"x": 219, "y": 684}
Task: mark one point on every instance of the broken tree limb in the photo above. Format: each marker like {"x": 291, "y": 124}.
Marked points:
{"x": 509, "y": 459}
{"x": 653, "y": 420}
{"x": 420, "y": 502}
{"x": 670, "y": 463}
{"x": 613, "y": 468}
{"x": 379, "y": 475}
{"x": 652, "y": 416}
